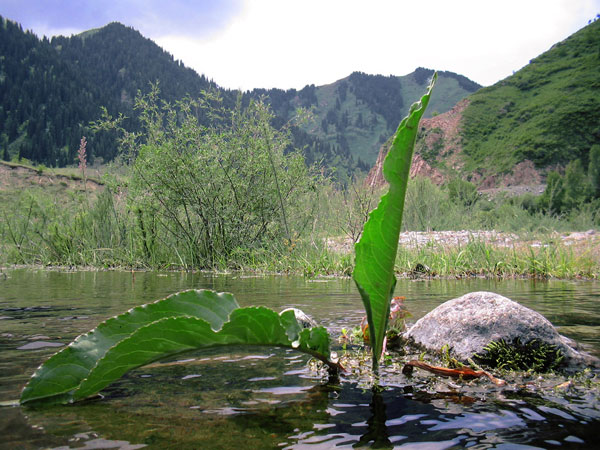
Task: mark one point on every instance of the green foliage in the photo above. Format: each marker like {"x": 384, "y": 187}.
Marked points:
{"x": 430, "y": 152}
{"x": 462, "y": 192}
{"x": 577, "y": 185}
{"x": 427, "y": 207}
{"x": 548, "y": 112}
{"x": 214, "y": 189}
{"x": 564, "y": 194}
{"x": 553, "y": 198}
{"x": 594, "y": 170}
{"x": 533, "y": 356}
{"x": 57, "y": 225}
{"x": 376, "y": 250}
{"x": 186, "y": 321}
{"x": 357, "y": 201}
{"x": 355, "y": 115}
{"x": 478, "y": 258}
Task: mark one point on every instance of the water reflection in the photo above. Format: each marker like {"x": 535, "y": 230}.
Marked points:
{"x": 269, "y": 398}
{"x": 148, "y": 407}
{"x": 376, "y": 435}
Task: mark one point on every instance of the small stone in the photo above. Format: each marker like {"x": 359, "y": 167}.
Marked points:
{"x": 304, "y": 320}
{"x": 39, "y": 344}
{"x": 38, "y": 337}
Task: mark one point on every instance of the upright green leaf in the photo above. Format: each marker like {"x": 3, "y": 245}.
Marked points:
{"x": 378, "y": 245}
{"x": 187, "y": 321}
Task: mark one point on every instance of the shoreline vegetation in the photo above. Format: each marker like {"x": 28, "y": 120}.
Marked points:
{"x": 236, "y": 196}
{"x": 50, "y": 221}
{"x": 567, "y": 256}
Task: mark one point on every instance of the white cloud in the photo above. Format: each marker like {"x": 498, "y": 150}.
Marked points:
{"x": 291, "y": 43}
{"x": 275, "y": 43}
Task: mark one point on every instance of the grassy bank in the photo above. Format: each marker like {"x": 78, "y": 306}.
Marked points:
{"x": 237, "y": 197}
{"x": 551, "y": 260}
{"x": 45, "y": 221}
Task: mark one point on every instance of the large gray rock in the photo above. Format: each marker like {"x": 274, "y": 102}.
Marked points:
{"x": 468, "y": 323}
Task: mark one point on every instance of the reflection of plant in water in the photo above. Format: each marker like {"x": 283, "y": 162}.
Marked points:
{"x": 533, "y": 356}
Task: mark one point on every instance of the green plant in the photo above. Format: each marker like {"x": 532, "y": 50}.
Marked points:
{"x": 462, "y": 192}
{"x": 182, "y": 322}
{"x": 357, "y": 202}
{"x": 378, "y": 245}
{"x": 219, "y": 187}
{"x": 427, "y": 207}
{"x": 199, "y": 319}
{"x": 533, "y": 356}
{"x": 525, "y": 116}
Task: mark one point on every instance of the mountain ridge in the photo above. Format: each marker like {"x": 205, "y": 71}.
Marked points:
{"x": 46, "y": 109}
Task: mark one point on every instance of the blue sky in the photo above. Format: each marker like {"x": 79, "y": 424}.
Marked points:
{"x": 151, "y": 17}
{"x": 291, "y": 43}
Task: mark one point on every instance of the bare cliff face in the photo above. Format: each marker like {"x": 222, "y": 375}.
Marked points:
{"x": 439, "y": 138}
{"x": 439, "y": 141}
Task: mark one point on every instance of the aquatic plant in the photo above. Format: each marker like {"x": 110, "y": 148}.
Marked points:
{"x": 533, "y": 356}
{"x": 376, "y": 250}
{"x": 194, "y": 320}
{"x": 182, "y": 322}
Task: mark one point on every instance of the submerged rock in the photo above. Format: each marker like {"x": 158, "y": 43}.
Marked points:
{"x": 469, "y": 323}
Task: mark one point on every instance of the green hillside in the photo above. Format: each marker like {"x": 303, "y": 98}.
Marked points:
{"x": 50, "y": 91}
{"x": 360, "y": 112}
{"x": 548, "y": 112}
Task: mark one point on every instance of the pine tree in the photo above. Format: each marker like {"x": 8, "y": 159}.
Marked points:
{"x": 594, "y": 170}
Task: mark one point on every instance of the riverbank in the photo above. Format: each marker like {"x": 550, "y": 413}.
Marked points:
{"x": 421, "y": 255}
{"x": 573, "y": 255}
{"x": 49, "y": 218}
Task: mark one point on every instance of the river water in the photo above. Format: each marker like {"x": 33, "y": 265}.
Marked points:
{"x": 273, "y": 398}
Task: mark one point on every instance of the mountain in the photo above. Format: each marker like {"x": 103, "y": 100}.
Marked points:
{"x": 50, "y": 90}
{"x": 515, "y": 132}
{"x": 356, "y": 114}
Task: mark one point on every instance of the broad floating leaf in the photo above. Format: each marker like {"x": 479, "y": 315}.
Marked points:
{"x": 182, "y": 322}
{"x": 378, "y": 245}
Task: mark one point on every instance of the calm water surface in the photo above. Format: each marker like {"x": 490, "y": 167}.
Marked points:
{"x": 257, "y": 398}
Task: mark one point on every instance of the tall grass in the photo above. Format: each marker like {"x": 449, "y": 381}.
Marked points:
{"x": 478, "y": 258}
{"x": 50, "y": 228}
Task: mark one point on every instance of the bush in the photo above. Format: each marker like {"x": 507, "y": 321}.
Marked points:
{"x": 217, "y": 188}
{"x": 462, "y": 192}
